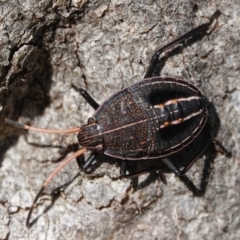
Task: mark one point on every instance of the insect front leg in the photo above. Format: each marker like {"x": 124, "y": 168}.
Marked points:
{"x": 195, "y": 33}
{"x": 89, "y": 161}
{"x": 87, "y": 97}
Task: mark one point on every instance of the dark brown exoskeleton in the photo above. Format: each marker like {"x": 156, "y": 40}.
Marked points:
{"x": 134, "y": 123}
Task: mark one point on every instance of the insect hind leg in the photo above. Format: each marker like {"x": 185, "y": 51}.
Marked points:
{"x": 181, "y": 171}
{"x": 194, "y": 33}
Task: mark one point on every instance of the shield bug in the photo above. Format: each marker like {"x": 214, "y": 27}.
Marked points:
{"x": 138, "y": 122}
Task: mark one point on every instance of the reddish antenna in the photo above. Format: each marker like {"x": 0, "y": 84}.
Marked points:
{"x": 27, "y": 127}
{"x": 58, "y": 169}
{"x": 50, "y": 177}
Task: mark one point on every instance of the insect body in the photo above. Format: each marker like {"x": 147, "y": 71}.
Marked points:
{"x": 153, "y": 118}
{"x": 134, "y": 123}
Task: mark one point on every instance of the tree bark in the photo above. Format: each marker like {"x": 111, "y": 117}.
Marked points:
{"x": 48, "y": 47}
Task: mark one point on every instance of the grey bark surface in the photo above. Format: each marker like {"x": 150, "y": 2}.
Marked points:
{"x": 103, "y": 46}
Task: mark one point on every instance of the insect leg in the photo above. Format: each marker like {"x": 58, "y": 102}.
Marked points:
{"x": 89, "y": 161}
{"x": 51, "y": 176}
{"x": 220, "y": 148}
{"x": 188, "y": 165}
{"x": 195, "y": 33}
{"x": 123, "y": 168}
{"x": 88, "y": 98}
{"x": 133, "y": 175}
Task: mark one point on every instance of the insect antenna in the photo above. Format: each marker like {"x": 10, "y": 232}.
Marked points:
{"x": 55, "y": 172}
{"x": 50, "y": 177}
{"x": 27, "y": 127}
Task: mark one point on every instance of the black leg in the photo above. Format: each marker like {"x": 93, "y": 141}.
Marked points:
{"x": 89, "y": 161}
{"x": 136, "y": 174}
{"x": 123, "y": 168}
{"x": 188, "y": 165}
{"x": 195, "y": 33}
{"x": 87, "y": 97}
{"x": 182, "y": 171}
{"x": 220, "y": 148}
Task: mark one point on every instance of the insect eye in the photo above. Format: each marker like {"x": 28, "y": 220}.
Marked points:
{"x": 91, "y": 120}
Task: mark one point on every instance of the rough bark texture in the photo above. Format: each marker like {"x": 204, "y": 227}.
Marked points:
{"x": 46, "y": 47}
